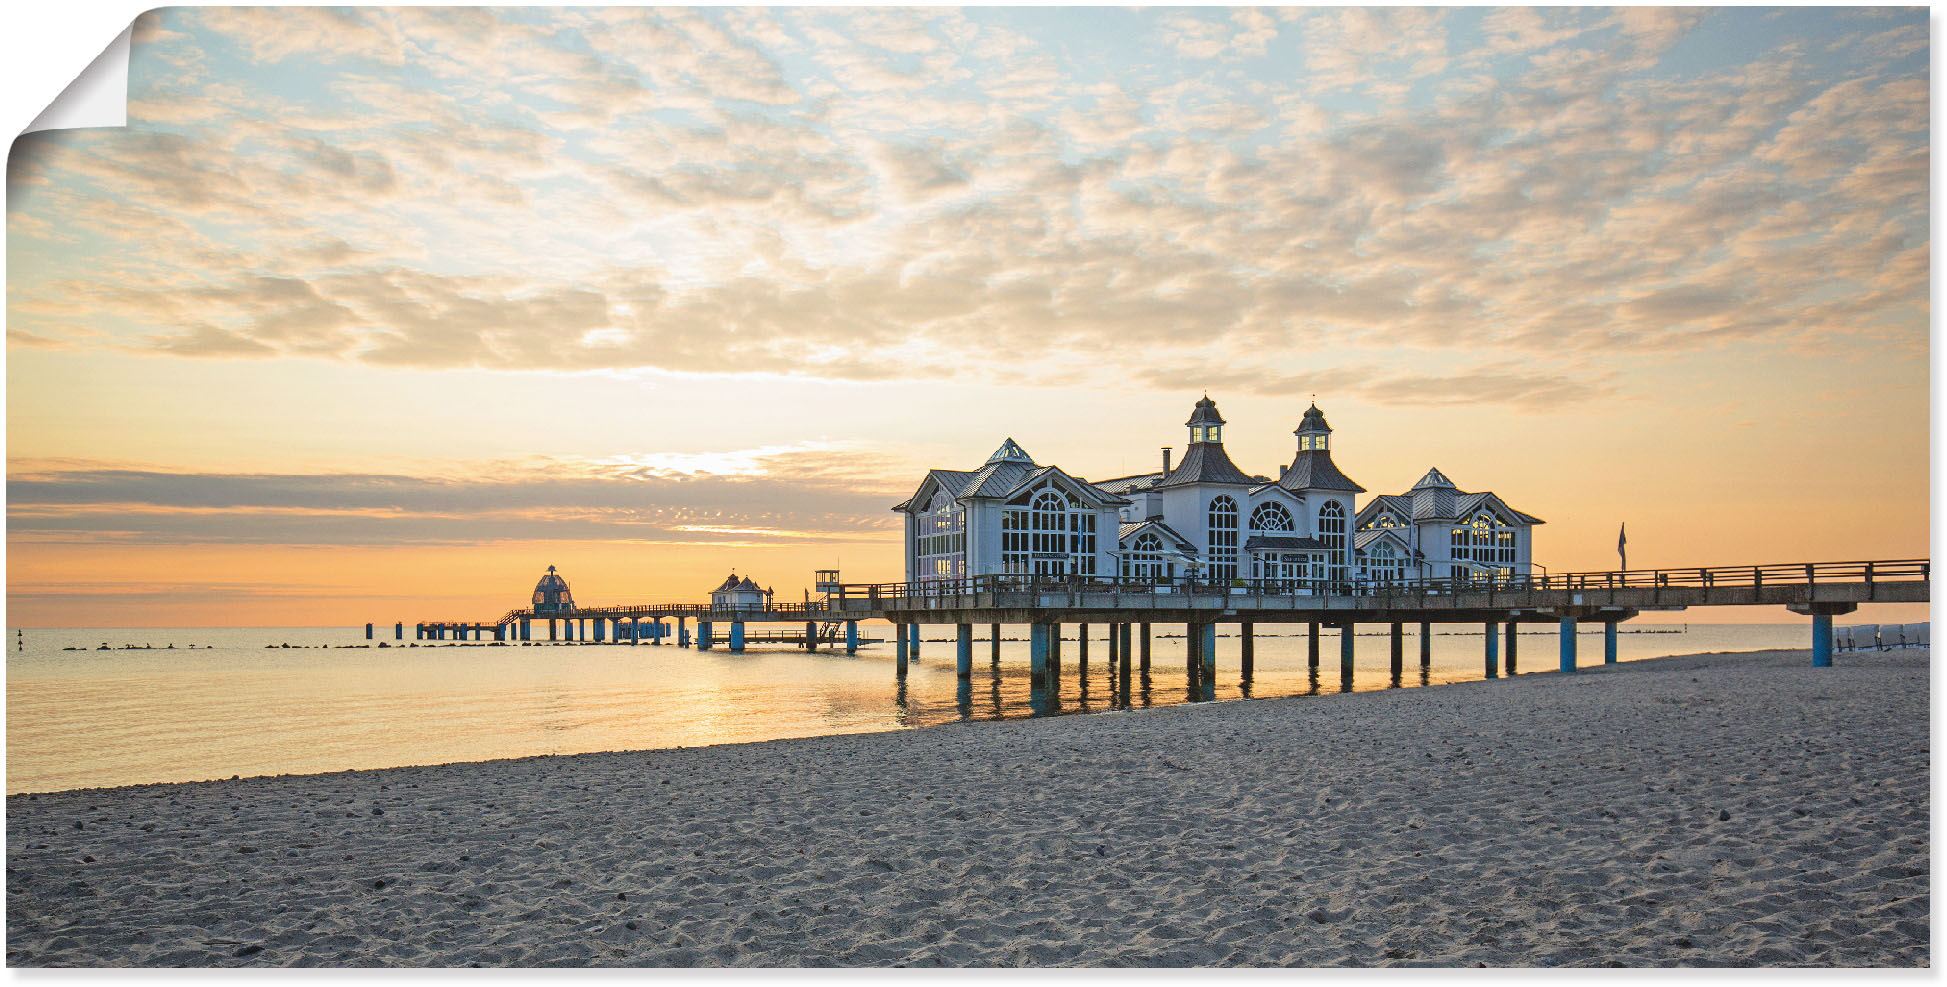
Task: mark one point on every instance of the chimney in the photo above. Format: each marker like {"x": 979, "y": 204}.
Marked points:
{"x": 1166, "y": 460}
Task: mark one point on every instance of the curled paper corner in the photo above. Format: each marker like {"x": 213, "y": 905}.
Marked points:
{"x": 98, "y": 97}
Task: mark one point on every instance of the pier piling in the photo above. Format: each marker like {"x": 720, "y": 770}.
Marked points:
{"x": 1346, "y": 642}
{"x": 1399, "y": 650}
{"x": 737, "y": 637}
{"x": 1145, "y": 647}
{"x": 1426, "y": 644}
{"x": 1492, "y": 636}
{"x": 1037, "y": 653}
{"x": 1311, "y": 652}
{"x": 1512, "y": 638}
{"x": 899, "y": 650}
{"x": 1247, "y": 650}
{"x": 1821, "y": 640}
{"x": 1608, "y": 642}
{"x": 994, "y": 637}
{"x": 1568, "y": 644}
{"x": 963, "y": 652}
{"x": 851, "y": 637}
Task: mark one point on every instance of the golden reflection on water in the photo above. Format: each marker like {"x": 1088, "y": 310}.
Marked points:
{"x": 94, "y": 718}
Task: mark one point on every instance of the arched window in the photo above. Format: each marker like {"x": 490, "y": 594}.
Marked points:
{"x": 1223, "y": 539}
{"x": 1485, "y": 541}
{"x": 1046, "y": 532}
{"x": 1331, "y": 531}
{"x": 941, "y": 532}
{"x": 1144, "y": 559}
{"x": 1271, "y": 516}
{"x": 1384, "y": 564}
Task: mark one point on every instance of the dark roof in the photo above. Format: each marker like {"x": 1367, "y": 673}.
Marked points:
{"x": 1129, "y": 529}
{"x": 1282, "y": 542}
{"x": 998, "y": 479}
{"x": 1464, "y": 505}
{"x": 1314, "y": 421}
{"x": 1205, "y": 413}
{"x": 1129, "y": 484}
{"x": 1313, "y": 469}
{"x": 1206, "y": 462}
{"x": 953, "y": 481}
{"x": 1435, "y": 478}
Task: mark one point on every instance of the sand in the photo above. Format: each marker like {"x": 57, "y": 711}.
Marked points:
{"x": 1705, "y": 810}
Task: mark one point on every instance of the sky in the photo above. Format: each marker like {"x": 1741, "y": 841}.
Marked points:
{"x": 374, "y": 314}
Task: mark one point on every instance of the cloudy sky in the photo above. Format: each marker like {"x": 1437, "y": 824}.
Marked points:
{"x": 374, "y": 314}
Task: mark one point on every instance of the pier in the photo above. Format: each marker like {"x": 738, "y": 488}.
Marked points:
{"x": 1134, "y": 607}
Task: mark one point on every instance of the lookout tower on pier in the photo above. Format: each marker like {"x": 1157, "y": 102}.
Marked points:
{"x": 551, "y": 594}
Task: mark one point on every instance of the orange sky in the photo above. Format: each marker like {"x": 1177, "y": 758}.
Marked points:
{"x": 375, "y": 314}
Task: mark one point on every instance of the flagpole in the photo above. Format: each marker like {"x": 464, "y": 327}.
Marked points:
{"x": 1622, "y": 545}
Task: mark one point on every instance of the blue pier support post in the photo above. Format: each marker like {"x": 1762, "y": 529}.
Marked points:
{"x": 500, "y": 632}
{"x": 527, "y": 629}
{"x": 1493, "y": 637}
{"x": 703, "y": 635}
{"x": 1208, "y": 653}
{"x": 963, "y": 653}
{"x": 1821, "y": 640}
{"x": 1568, "y": 644}
{"x": 737, "y": 636}
{"x": 851, "y": 637}
{"x": 658, "y": 631}
{"x": 1038, "y": 653}
{"x": 1608, "y": 642}
{"x": 399, "y": 631}
{"x": 912, "y": 632}
{"x": 1346, "y": 642}
{"x": 1508, "y": 652}
{"x": 368, "y": 630}
{"x": 554, "y": 630}
{"x": 599, "y": 630}
{"x": 900, "y": 649}
{"x": 810, "y": 635}
{"x": 682, "y": 632}
{"x": 568, "y": 629}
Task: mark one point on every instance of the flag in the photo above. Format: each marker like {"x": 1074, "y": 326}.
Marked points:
{"x": 1622, "y": 544}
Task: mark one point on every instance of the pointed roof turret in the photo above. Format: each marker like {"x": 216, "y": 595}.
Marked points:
{"x": 1205, "y": 461}
{"x": 1205, "y": 413}
{"x": 1010, "y": 452}
{"x": 1312, "y": 468}
{"x": 1434, "y": 479}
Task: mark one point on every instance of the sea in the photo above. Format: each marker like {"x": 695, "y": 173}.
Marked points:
{"x": 103, "y": 707}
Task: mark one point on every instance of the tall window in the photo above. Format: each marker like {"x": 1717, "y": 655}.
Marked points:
{"x": 1485, "y": 541}
{"x": 1331, "y": 531}
{"x": 1047, "y": 533}
{"x": 1271, "y": 516}
{"x": 1144, "y": 559}
{"x": 1223, "y": 539}
{"x": 942, "y": 539}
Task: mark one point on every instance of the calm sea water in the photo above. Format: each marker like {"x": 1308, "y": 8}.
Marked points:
{"x": 221, "y": 703}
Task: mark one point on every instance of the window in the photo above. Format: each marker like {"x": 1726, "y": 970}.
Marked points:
{"x": 1223, "y": 539}
{"x": 1046, "y": 532}
{"x": 1486, "y": 542}
{"x": 1385, "y": 519}
{"x": 1331, "y": 531}
{"x": 941, "y": 536}
{"x": 1385, "y": 564}
{"x": 1271, "y": 516}
{"x": 1144, "y": 558}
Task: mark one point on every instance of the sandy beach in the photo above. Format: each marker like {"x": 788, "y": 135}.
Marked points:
{"x": 1701, "y": 810}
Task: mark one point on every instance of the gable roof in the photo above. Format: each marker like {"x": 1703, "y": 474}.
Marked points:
{"x": 1464, "y": 505}
{"x": 1129, "y": 484}
{"x": 1131, "y": 529}
{"x": 952, "y": 481}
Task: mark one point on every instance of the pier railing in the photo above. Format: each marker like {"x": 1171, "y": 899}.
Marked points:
{"x": 1906, "y": 580}
{"x": 1752, "y": 577}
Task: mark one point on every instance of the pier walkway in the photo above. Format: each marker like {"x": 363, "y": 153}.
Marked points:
{"x": 1499, "y": 604}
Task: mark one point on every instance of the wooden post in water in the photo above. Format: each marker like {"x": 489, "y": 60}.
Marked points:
{"x": 1399, "y": 649}
{"x": 1493, "y": 636}
{"x": 1247, "y": 650}
{"x": 963, "y": 654}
